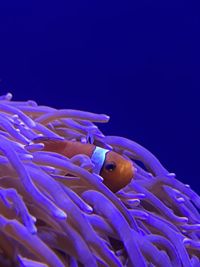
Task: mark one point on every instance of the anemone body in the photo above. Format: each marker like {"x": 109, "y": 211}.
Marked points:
{"x": 51, "y": 219}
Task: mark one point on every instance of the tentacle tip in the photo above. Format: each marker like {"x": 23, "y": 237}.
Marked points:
{"x": 32, "y": 124}
{"x": 32, "y": 103}
{"x": 184, "y": 219}
{"x": 15, "y": 116}
{"x": 171, "y": 175}
{"x": 29, "y": 156}
{"x": 89, "y": 209}
{"x": 107, "y": 117}
{"x": 33, "y": 219}
{"x": 99, "y": 178}
{"x": 60, "y": 214}
{"x": 33, "y": 230}
{"x": 186, "y": 241}
{"x": 9, "y": 96}
{"x": 180, "y": 200}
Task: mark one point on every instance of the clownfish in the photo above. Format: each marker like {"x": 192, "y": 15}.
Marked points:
{"x": 116, "y": 171}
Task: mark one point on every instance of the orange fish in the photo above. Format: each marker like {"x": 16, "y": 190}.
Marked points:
{"x": 116, "y": 171}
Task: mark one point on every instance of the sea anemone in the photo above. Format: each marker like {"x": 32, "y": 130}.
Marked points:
{"x": 51, "y": 219}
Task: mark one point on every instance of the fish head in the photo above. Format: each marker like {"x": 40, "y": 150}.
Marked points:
{"x": 117, "y": 171}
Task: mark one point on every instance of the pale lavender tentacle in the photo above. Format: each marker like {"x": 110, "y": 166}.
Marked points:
{"x": 147, "y": 157}
{"x": 155, "y": 212}
{"x": 27, "y": 120}
{"x": 75, "y": 114}
{"x": 26, "y": 180}
{"x": 22, "y": 235}
{"x": 100, "y": 204}
{"x": 7, "y": 126}
{"x": 159, "y": 205}
{"x": 20, "y": 208}
{"x": 24, "y": 262}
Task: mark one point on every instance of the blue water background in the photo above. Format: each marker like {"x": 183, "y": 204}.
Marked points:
{"x": 137, "y": 61}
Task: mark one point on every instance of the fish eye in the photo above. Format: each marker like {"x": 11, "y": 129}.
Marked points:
{"x": 110, "y": 166}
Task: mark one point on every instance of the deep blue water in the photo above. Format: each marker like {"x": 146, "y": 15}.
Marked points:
{"x": 137, "y": 61}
